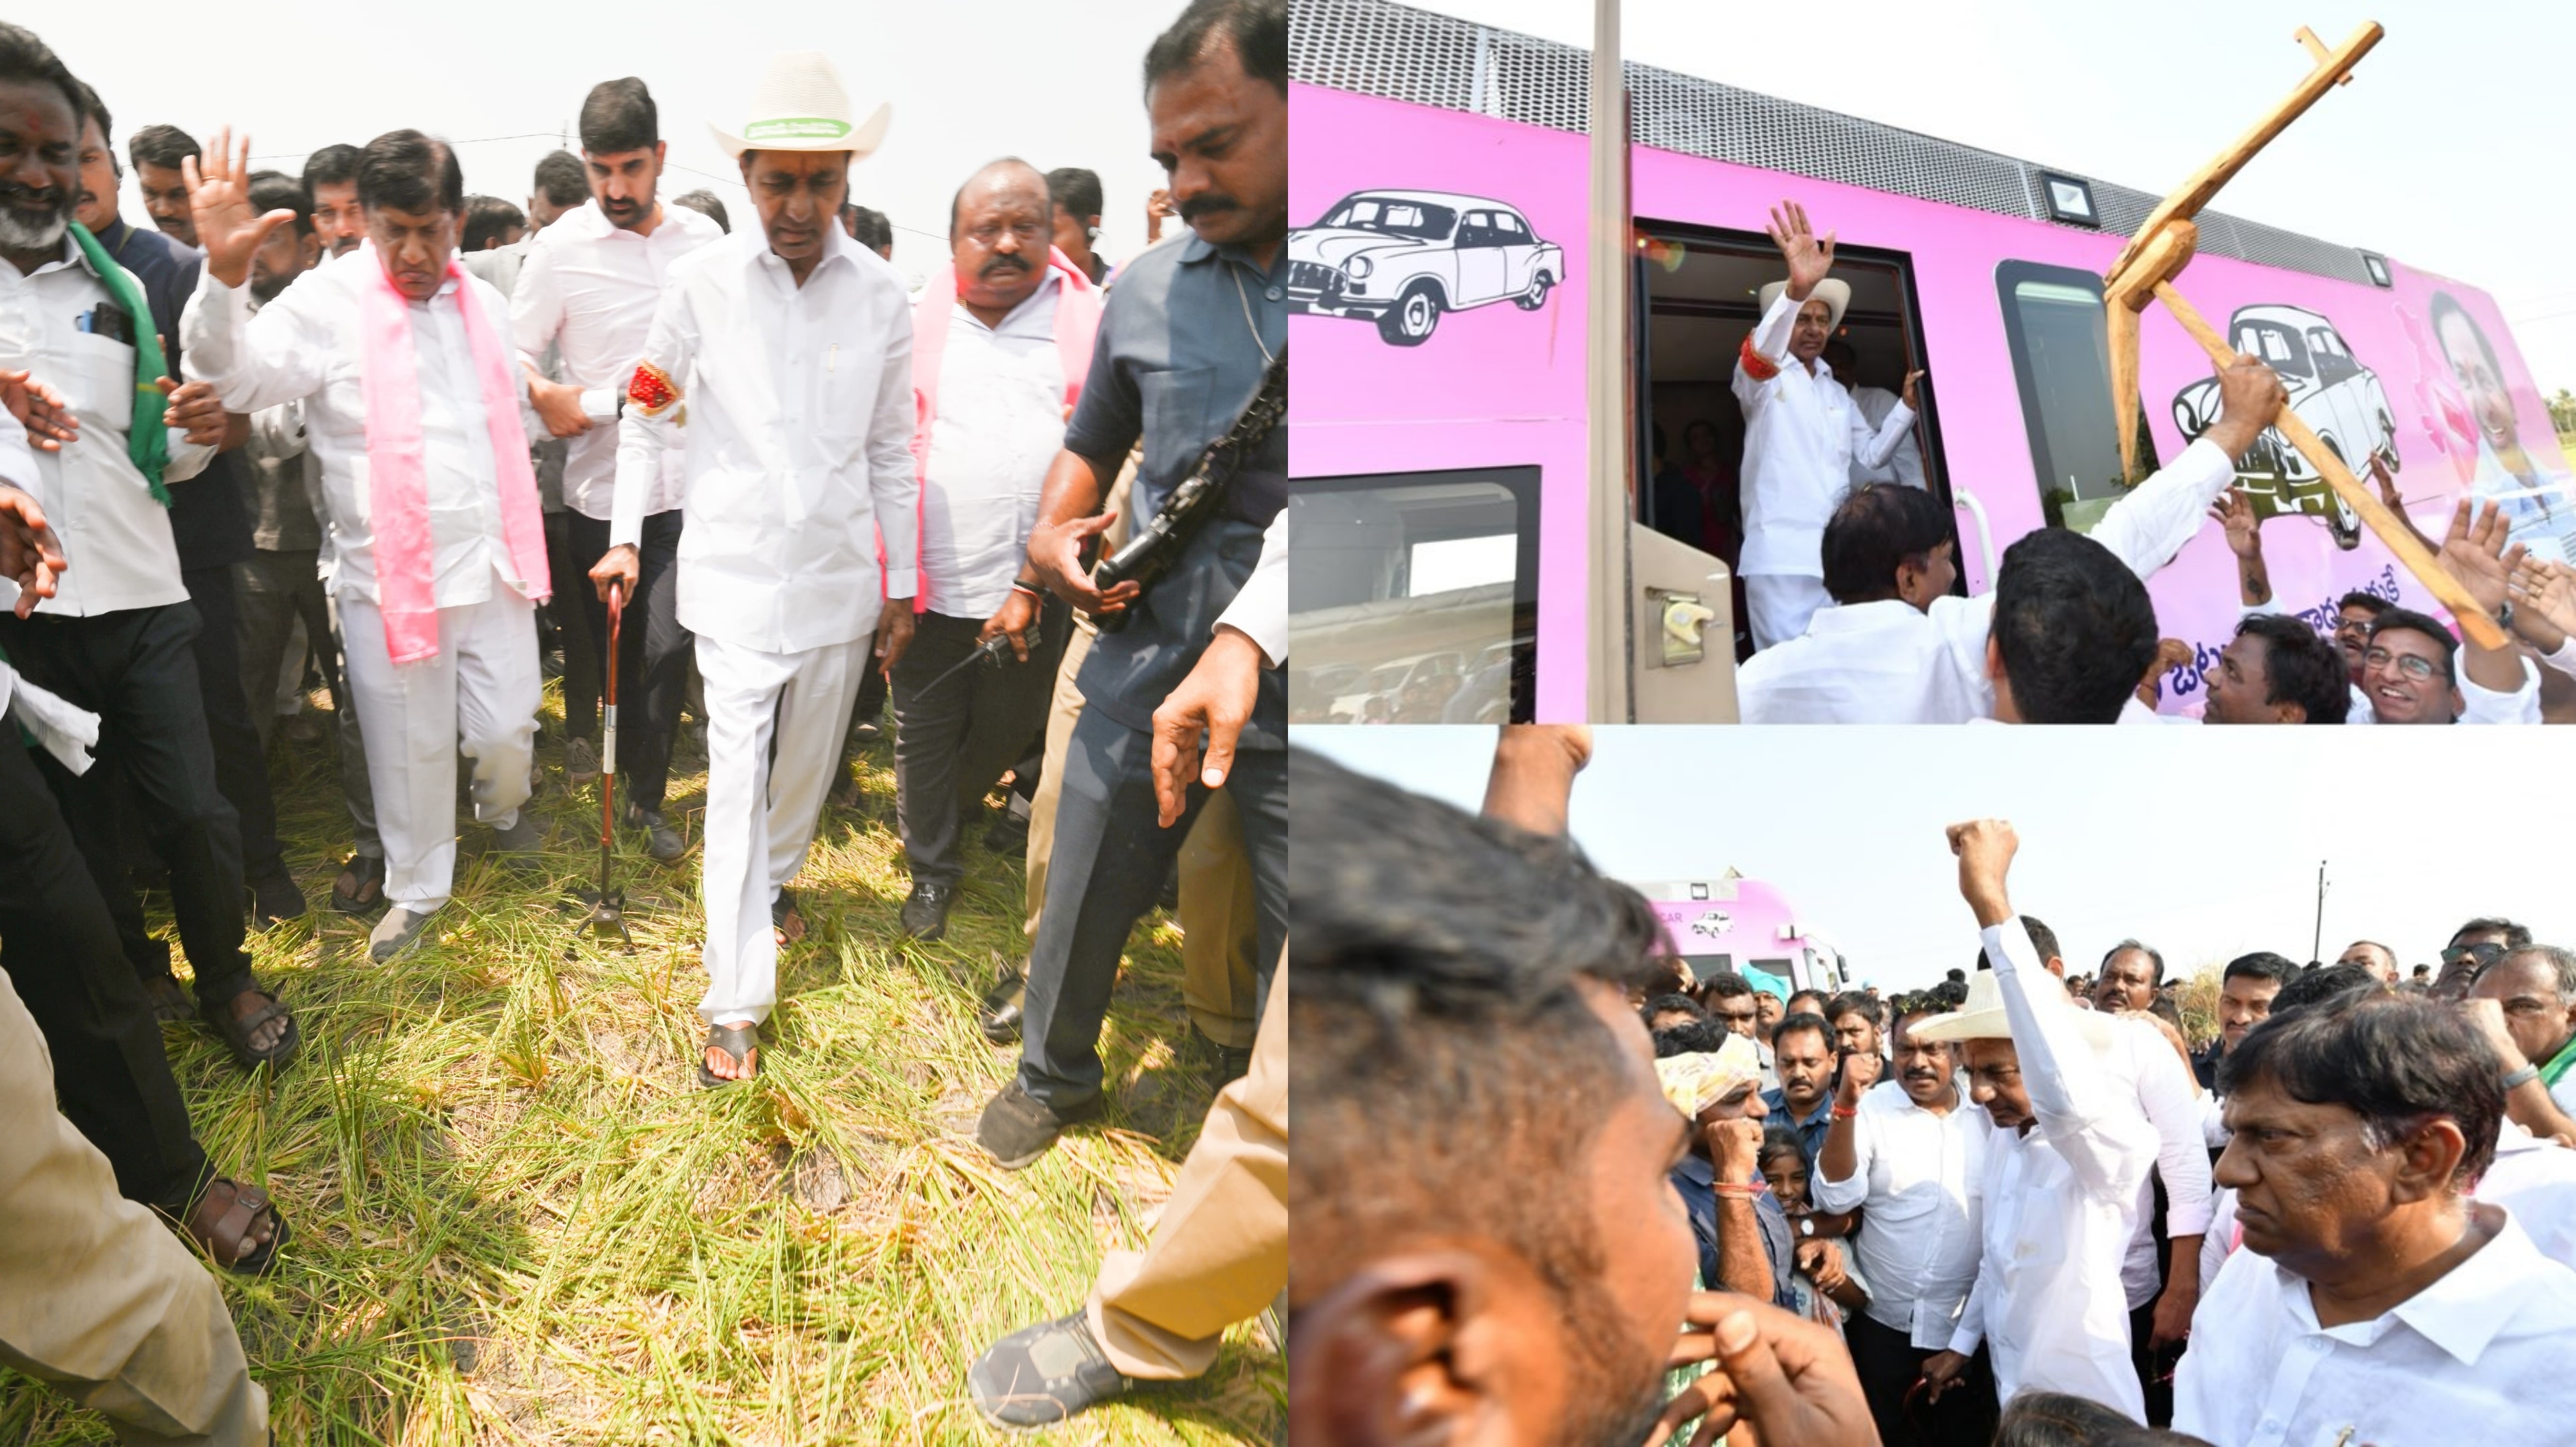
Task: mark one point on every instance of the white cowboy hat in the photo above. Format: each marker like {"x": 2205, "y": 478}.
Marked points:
{"x": 1832, "y": 291}
{"x": 801, "y": 105}
{"x": 1982, "y": 1017}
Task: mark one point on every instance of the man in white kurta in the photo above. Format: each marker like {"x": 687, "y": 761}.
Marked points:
{"x": 1802, "y": 434}
{"x": 782, "y": 354}
{"x": 478, "y": 693}
{"x": 2066, "y": 1170}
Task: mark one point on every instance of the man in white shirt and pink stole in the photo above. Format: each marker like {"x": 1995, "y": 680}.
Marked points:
{"x": 2066, "y": 1167}
{"x": 413, "y": 408}
{"x": 588, "y": 290}
{"x": 1001, "y": 342}
{"x": 2373, "y": 1301}
{"x": 782, "y": 356}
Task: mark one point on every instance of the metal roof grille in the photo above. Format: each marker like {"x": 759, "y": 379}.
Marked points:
{"x": 1377, "y": 47}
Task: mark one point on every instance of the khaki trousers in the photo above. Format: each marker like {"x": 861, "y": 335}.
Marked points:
{"x": 96, "y": 1296}
{"x": 1220, "y": 1251}
{"x": 1218, "y": 923}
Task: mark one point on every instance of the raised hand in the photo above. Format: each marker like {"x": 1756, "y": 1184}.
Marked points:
{"x": 2250, "y": 396}
{"x": 1985, "y": 848}
{"x": 219, "y": 194}
{"x": 40, "y": 409}
{"x": 2235, "y": 512}
{"x": 2474, "y": 553}
{"x": 2544, "y": 601}
{"x": 1908, "y": 394}
{"x": 1861, "y": 1070}
{"x": 1810, "y": 257}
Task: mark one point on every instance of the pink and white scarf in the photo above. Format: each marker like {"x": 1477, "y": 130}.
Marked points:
{"x": 398, "y": 487}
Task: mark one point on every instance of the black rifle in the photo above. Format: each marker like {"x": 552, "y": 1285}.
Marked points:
{"x": 1151, "y": 550}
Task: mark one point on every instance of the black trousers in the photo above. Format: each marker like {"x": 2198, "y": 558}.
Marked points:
{"x": 1889, "y": 1364}
{"x": 59, "y": 947}
{"x": 1109, "y": 861}
{"x": 652, "y": 650}
{"x": 241, "y": 765}
{"x": 137, "y": 670}
{"x": 955, "y": 735}
{"x": 581, "y": 656}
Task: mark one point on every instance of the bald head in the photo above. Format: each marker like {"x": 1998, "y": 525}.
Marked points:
{"x": 998, "y": 227}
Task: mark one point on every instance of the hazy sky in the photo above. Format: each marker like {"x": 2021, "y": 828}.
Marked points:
{"x": 1056, "y": 86}
{"x": 2204, "y": 844}
{"x": 2447, "y": 150}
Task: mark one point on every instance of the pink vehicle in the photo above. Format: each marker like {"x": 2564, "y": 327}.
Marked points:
{"x": 1746, "y": 926}
{"x": 1441, "y": 502}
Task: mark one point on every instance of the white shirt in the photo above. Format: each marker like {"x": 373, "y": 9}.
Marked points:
{"x": 2535, "y": 1180}
{"x": 1883, "y": 667}
{"x": 2061, "y": 1206}
{"x": 1260, "y": 607}
{"x": 1801, "y": 436}
{"x": 115, "y": 537}
{"x": 589, "y": 287}
{"x": 2480, "y": 1356}
{"x": 1920, "y": 1175}
{"x": 999, "y": 427}
{"x": 306, "y": 344}
{"x": 1905, "y": 464}
{"x": 2171, "y": 1098}
{"x": 798, "y": 416}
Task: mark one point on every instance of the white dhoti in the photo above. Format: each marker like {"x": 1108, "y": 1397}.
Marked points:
{"x": 1778, "y": 605}
{"x": 478, "y": 695}
{"x": 760, "y": 817}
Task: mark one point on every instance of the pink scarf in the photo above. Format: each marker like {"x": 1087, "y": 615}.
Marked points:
{"x": 398, "y": 489}
{"x": 1077, "y": 322}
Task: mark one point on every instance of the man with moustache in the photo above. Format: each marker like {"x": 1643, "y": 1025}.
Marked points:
{"x": 116, "y": 638}
{"x": 1910, "y": 1156}
{"x": 2245, "y": 992}
{"x": 412, "y": 406}
{"x": 331, "y": 179}
{"x": 158, "y": 153}
{"x": 1001, "y": 342}
{"x": 1195, "y": 328}
{"x": 588, "y": 291}
{"x": 788, "y": 350}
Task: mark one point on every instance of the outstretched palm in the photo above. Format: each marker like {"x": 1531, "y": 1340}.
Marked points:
{"x": 1809, "y": 256}
{"x": 2474, "y": 552}
{"x": 219, "y": 194}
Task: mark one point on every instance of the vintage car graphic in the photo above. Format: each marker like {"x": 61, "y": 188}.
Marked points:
{"x": 2334, "y": 394}
{"x": 1401, "y": 258}
{"x": 1713, "y": 924}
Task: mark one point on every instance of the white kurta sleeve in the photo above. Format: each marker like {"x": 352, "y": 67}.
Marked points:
{"x": 1260, "y": 610}
{"x": 1845, "y": 1195}
{"x": 1970, "y": 1333}
{"x": 254, "y": 360}
{"x": 2173, "y": 1105}
{"x": 1873, "y": 446}
{"x": 2078, "y": 1107}
{"x": 536, "y": 308}
{"x": 1771, "y": 341}
{"x": 2483, "y": 705}
{"x": 671, "y": 347}
{"x": 2147, "y": 527}
{"x": 894, "y": 487}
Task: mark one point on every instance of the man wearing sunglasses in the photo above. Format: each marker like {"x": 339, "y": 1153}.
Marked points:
{"x": 2473, "y": 947}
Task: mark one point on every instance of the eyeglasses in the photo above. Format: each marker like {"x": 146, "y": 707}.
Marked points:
{"x": 2485, "y": 954}
{"x": 2413, "y": 665}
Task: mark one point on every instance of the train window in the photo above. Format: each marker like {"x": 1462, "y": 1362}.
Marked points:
{"x": 1413, "y": 597}
{"x": 2061, "y": 357}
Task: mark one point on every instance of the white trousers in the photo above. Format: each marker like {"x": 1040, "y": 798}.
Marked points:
{"x": 1778, "y": 605}
{"x": 760, "y": 819}
{"x": 478, "y": 695}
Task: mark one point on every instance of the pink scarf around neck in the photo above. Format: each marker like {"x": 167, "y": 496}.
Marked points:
{"x": 398, "y": 485}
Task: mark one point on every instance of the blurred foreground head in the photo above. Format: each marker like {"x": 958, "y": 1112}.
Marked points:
{"x": 1484, "y": 1245}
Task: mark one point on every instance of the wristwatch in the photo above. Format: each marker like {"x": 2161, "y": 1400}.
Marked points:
{"x": 2516, "y": 1079}
{"x": 1806, "y": 1226}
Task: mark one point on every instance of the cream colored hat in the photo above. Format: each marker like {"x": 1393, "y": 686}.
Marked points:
{"x": 1696, "y": 1081}
{"x": 1832, "y": 291}
{"x": 1982, "y": 1017}
{"x": 801, "y": 105}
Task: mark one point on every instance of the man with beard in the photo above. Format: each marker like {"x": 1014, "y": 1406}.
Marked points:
{"x": 2373, "y": 1301}
{"x": 788, "y": 349}
{"x": 412, "y": 408}
{"x": 1802, "y": 1057}
{"x": 331, "y": 179}
{"x": 1194, "y": 329}
{"x": 116, "y": 638}
{"x": 2130, "y": 974}
{"x": 588, "y": 292}
{"x": 1001, "y": 341}
{"x": 1912, "y": 1160}
{"x": 1423, "y": 1308}
{"x": 2245, "y": 991}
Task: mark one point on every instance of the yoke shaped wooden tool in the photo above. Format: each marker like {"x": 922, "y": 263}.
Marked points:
{"x": 2163, "y": 246}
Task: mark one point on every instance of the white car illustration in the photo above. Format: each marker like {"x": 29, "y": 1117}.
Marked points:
{"x": 1401, "y": 258}
{"x": 2335, "y": 395}
{"x": 1713, "y": 924}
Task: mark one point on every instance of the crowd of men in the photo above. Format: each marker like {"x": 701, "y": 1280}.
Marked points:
{"x": 1848, "y": 567}
{"x": 1991, "y": 1211}
{"x": 421, "y": 438}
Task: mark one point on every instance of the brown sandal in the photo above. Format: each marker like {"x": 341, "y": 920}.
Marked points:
{"x": 786, "y": 922}
{"x": 360, "y": 889}
{"x": 741, "y": 1042}
{"x": 237, "y": 1030}
{"x": 170, "y": 1000}
{"x": 222, "y": 1237}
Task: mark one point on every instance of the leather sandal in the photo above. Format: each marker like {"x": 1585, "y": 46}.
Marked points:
{"x": 360, "y": 889}
{"x": 786, "y": 922}
{"x": 236, "y": 1031}
{"x": 171, "y": 1002}
{"x": 223, "y": 1236}
{"x": 742, "y": 1042}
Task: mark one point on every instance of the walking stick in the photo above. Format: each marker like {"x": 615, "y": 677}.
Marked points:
{"x": 608, "y": 910}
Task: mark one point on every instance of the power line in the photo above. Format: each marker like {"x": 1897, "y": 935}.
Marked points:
{"x": 475, "y": 141}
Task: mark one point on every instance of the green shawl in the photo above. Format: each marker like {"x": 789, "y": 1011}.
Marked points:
{"x": 146, "y": 440}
